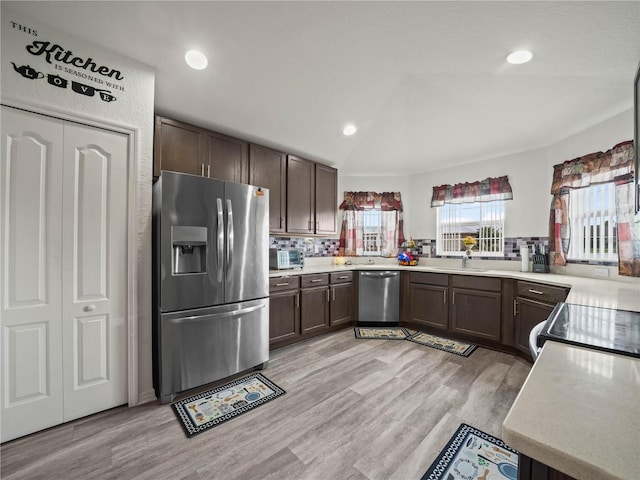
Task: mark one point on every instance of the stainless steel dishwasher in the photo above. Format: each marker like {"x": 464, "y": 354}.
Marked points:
{"x": 378, "y": 298}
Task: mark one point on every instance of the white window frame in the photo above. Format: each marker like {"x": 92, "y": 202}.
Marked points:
{"x": 451, "y": 228}
{"x": 372, "y": 233}
{"x": 594, "y": 207}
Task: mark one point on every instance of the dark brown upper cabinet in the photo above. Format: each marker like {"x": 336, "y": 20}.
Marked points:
{"x": 178, "y": 147}
{"x": 227, "y": 158}
{"x": 326, "y": 199}
{"x": 301, "y": 175}
{"x": 268, "y": 169}
{"x": 185, "y": 148}
{"x": 312, "y": 195}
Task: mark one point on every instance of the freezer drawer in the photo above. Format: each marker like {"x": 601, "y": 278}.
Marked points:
{"x": 197, "y": 347}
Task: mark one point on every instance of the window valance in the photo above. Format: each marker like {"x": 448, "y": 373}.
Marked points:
{"x": 386, "y": 201}
{"x": 487, "y": 190}
{"x": 615, "y": 164}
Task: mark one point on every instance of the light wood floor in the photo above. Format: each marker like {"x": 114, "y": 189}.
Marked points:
{"x": 354, "y": 409}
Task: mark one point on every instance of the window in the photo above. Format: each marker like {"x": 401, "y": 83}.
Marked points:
{"x": 593, "y": 224}
{"x": 372, "y": 232}
{"x": 483, "y": 221}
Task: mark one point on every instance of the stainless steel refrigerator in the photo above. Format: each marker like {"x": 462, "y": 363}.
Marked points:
{"x": 211, "y": 289}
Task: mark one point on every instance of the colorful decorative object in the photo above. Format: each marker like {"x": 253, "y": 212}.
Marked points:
{"x": 473, "y": 454}
{"x": 487, "y": 190}
{"x": 209, "y": 409}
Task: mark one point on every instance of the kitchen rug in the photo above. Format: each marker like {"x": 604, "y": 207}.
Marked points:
{"x": 472, "y": 454}
{"x": 208, "y": 409}
{"x": 446, "y": 344}
{"x": 381, "y": 333}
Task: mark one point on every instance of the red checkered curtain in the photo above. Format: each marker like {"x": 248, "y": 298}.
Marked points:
{"x": 615, "y": 165}
{"x": 487, "y": 190}
{"x": 351, "y": 233}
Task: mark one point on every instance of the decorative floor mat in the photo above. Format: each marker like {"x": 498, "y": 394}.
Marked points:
{"x": 381, "y": 333}
{"x": 451, "y": 346}
{"x": 208, "y": 409}
{"x": 473, "y": 454}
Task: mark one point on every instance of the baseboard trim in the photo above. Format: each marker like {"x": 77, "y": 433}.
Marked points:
{"x": 147, "y": 396}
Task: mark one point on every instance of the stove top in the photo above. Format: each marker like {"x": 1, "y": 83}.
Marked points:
{"x": 606, "y": 329}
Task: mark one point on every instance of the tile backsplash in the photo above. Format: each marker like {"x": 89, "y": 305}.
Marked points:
{"x": 328, "y": 247}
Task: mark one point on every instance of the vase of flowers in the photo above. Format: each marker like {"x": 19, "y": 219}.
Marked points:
{"x": 469, "y": 242}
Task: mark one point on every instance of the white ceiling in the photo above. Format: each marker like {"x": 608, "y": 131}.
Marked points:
{"x": 426, "y": 83}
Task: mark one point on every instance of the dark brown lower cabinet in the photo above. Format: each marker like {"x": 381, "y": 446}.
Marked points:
{"x": 428, "y": 305}
{"x": 284, "y": 316}
{"x": 530, "y": 469}
{"x": 477, "y": 313}
{"x": 528, "y": 313}
{"x": 341, "y": 311}
{"x": 314, "y": 305}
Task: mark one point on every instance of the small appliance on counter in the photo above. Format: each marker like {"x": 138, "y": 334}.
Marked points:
{"x": 286, "y": 258}
{"x": 606, "y": 329}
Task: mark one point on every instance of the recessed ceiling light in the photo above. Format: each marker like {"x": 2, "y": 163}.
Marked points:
{"x": 196, "y": 60}
{"x": 349, "y": 130}
{"x": 519, "y": 56}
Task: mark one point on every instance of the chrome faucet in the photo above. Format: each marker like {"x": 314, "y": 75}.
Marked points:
{"x": 465, "y": 259}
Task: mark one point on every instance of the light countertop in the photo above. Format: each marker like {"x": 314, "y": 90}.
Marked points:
{"x": 579, "y": 412}
{"x": 584, "y": 290}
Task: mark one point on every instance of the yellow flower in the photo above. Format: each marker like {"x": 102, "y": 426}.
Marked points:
{"x": 469, "y": 241}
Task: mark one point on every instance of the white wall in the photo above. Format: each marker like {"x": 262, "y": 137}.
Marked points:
{"x": 530, "y": 174}
{"x": 132, "y": 109}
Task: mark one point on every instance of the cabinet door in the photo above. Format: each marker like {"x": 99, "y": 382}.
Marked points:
{"x": 178, "y": 147}
{"x": 314, "y": 304}
{"x": 326, "y": 199}
{"x": 528, "y": 314}
{"x": 268, "y": 169}
{"x": 300, "y": 195}
{"x": 228, "y": 158}
{"x": 284, "y": 316}
{"x": 477, "y": 313}
{"x": 428, "y": 305}
{"x": 341, "y": 303}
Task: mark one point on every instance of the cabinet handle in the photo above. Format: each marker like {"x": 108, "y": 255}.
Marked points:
{"x": 515, "y": 308}
{"x": 282, "y": 284}
{"x": 209, "y": 170}
{"x": 343, "y": 278}
{"x": 327, "y": 295}
{"x": 298, "y": 300}
{"x": 538, "y": 292}
{"x": 334, "y": 294}
{"x": 453, "y": 297}
{"x": 316, "y": 280}
{"x": 202, "y": 169}
{"x": 444, "y": 296}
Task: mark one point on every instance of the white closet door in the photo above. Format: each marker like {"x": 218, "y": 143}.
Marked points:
{"x": 30, "y": 287}
{"x": 94, "y": 279}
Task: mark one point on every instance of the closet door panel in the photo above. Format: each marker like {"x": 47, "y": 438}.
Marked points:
{"x": 94, "y": 270}
{"x": 30, "y": 287}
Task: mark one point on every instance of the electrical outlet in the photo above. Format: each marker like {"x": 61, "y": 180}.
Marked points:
{"x": 600, "y": 272}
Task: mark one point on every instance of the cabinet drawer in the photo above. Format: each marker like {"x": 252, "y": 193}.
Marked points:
{"x": 315, "y": 280}
{"x": 441, "y": 279}
{"x": 342, "y": 277}
{"x": 476, "y": 283}
{"x": 278, "y": 284}
{"x": 540, "y": 292}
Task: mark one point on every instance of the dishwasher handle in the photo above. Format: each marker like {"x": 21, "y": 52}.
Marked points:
{"x": 379, "y": 274}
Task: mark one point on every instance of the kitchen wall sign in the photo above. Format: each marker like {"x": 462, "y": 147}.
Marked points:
{"x": 51, "y": 54}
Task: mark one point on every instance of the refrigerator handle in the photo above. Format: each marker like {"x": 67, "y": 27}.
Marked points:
{"x": 220, "y": 239}
{"x": 229, "y": 237}
{"x": 233, "y": 313}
